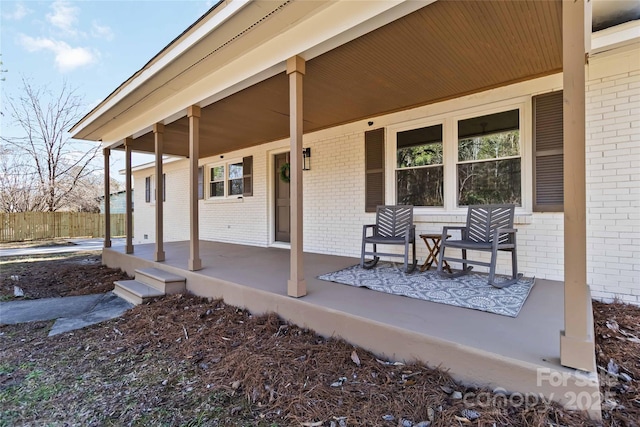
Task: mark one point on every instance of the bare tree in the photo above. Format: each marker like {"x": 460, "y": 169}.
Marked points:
{"x": 58, "y": 164}
{"x": 19, "y": 190}
{"x": 87, "y": 194}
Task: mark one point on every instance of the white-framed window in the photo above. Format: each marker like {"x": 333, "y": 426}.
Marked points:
{"x": 216, "y": 181}
{"x": 420, "y": 166}
{"x": 489, "y": 163}
{"x": 460, "y": 158}
{"x": 234, "y": 179}
{"x": 226, "y": 180}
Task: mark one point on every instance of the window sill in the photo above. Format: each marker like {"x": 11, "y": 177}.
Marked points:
{"x": 238, "y": 199}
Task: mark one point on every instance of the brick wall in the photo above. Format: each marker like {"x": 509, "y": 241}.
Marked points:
{"x": 613, "y": 175}
{"x": 239, "y": 220}
{"x": 334, "y": 195}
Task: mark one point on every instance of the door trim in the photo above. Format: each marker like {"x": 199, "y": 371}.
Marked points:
{"x": 271, "y": 198}
{"x": 282, "y": 200}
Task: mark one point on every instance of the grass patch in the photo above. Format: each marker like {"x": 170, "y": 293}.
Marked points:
{"x": 25, "y": 395}
{"x": 6, "y": 368}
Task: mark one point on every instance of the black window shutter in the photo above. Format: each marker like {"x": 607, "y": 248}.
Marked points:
{"x": 247, "y": 176}
{"x": 201, "y": 182}
{"x": 164, "y": 187}
{"x": 147, "y": 189}
{"x": 548, "y": 169}
{"x": 374, "y": 169}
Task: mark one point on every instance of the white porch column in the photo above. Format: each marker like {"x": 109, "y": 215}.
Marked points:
{"x": 296, "y": 287}
{"x": 193, "y": 112}
{"x": 128, "y": 142}
{"x": 158, "y": 133}
{"x": 107, "y": 199}
{"x": 576, "y": 341}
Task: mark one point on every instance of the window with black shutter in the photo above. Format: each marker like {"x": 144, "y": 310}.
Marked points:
{"x": 374, "y": 169}
{"x": 147, "y": 189}
{"x": 247, "y": 176}
{"x": 150, "y": 188}
{"x": 231, "y": 179}
{"x": 164, "y": 187}
{"x": 201, "y": 183}
{"x": 548, "y": 170}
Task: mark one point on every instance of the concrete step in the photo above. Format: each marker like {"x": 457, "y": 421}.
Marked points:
{"x": 164, "y": 281}
{"x": 135, "y": 292}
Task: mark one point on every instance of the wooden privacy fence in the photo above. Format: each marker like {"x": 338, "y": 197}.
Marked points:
{"x": 49, "y": 225}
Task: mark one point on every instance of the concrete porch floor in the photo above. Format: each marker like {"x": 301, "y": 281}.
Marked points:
{"x": 519, "y": 354}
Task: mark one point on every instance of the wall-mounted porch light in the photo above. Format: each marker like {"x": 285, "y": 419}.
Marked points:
{"x": 306, "y": 159}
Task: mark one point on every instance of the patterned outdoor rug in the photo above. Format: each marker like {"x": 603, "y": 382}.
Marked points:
{"x": 469, "y": 291}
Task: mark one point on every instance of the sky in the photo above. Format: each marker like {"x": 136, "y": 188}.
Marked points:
{"x": 94, "y": 45}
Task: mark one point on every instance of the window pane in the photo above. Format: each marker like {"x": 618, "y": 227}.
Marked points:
{"x": 420, "y": 186}
{"x": 504, "y": 144}
{"x": 235, "y": 171}
{"x": 489, "y": 182}
{"x": 216, "y": 189}
{"x": 489, "y": 137}
{"x": 217, "y": 173}
{"x": 419, "y": 147}
{"x": 235, "y": 186}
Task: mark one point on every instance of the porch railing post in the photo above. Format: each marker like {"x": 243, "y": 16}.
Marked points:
{"x": 107, "y": 199}
{"x": 576, "y": 341}
{"x": 128, "y": 142}
{"x": 296, "y": 287}
{"x": 158, "y": 132}
{"x": 193, "y": 112}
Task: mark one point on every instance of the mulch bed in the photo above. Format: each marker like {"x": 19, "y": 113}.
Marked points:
{"x": 186, "y": 360}
{"x": 76, "y": 274}
{"x": 617, "y": 330}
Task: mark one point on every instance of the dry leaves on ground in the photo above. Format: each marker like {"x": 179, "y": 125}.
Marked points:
{"x": 185, "y": 360}
{"x": 75, "y": 274}
{"x": 617, "y": 330}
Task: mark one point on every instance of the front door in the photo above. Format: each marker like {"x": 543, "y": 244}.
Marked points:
{"x": 282, "y": 200}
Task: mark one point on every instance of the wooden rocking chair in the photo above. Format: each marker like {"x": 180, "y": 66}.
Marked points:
{"x": 394, "y": 226}
{"x": 490, "y": 229}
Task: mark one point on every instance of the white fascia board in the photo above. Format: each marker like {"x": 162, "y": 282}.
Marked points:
{"x": 614, "y": 37}
{"x": 216, "y": 20}
{"x": 336, "y": 24}
{"x": 111, "y": 145}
